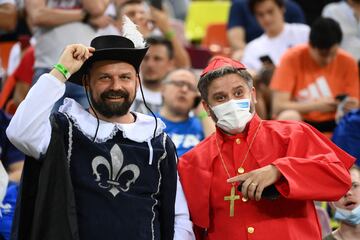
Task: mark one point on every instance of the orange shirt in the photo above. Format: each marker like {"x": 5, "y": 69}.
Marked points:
{"x": 299, "y": 75}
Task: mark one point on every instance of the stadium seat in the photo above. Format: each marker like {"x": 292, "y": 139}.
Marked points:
{"x": 201, "y": 14}
{"x": 215, "y": 39}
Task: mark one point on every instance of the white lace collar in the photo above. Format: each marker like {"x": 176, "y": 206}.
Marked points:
{"x": 141, "y": 130}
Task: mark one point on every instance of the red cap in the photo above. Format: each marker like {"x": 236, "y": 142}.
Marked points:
{"x": 220, "y": 62}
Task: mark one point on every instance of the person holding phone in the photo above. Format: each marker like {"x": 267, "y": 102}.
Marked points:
{"x": 311, "y": 76}
{"x": 278, "y": 35}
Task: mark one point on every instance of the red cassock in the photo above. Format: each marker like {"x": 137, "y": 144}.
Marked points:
{"x": 313, "y": 168}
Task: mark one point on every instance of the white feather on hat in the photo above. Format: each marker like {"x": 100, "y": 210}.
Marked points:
{"x": 131, "y": 32}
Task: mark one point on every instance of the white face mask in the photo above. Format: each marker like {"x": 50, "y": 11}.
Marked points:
{"x": 352, "y": 217}
{"x": 233, "y": 115}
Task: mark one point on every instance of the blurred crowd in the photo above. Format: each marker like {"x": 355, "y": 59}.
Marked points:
{"x": 306, "y": 68}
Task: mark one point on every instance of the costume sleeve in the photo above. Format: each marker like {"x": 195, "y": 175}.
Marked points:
{"x": 30, "y": 129}
{"x": 174, "y": 208}
{"x": 196, "y": 181}
{"x": 183, "y": 225}
{"x": 314, "y": 168}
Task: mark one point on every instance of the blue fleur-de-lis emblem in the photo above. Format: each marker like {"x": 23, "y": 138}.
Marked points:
{"x": 117, "y": 159}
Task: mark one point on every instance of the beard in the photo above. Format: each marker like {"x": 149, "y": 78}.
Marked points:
{"x": 112, "y": 109}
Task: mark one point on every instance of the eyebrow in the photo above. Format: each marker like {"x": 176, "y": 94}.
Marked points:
{"x": 233, "y": 89}
{"x": 109, "y": 74}
{"x": 238, "y": 87}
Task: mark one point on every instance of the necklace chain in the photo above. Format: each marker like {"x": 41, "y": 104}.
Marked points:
{"x": 247, "y": 152}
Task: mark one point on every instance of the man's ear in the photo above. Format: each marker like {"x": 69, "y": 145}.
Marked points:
{"x": 206, "y": 107}
{"x": 253, "y": 95}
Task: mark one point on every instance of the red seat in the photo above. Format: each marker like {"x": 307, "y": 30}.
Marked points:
{"x": 215, "y": 39}
{"x": 199, "y": 56}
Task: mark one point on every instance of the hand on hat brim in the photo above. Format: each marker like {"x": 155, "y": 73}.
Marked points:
{"x": 74, "y": 56}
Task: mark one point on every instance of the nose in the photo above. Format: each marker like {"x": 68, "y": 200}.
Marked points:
{"x": 116, "y": 83}
{"x": 349, "y": 193}
{"x": 185, "y": 87}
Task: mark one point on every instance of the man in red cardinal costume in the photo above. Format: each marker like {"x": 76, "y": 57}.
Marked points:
{"x": 227, "y": 176}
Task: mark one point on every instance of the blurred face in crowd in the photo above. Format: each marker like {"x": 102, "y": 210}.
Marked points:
{"x": 352, "y": 198}
{"x": 270, "y": 17}
{"x": 112, "y": 87}
{"x": 156, "y": 64}
{"x": 179, "y": 92}
{"x": 137, "y": 13}
{"x": 227, "y": 87}
{"x": 355, "y": 4}
{"x": 323, "y": 56}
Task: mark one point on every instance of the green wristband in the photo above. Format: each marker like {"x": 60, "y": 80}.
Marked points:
{"x": 63, "y": 70}
{"x": 169, "y": 35}
{"x": 202, "y": 115}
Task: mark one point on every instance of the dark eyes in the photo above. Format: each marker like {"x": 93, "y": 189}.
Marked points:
{"x": 238, "y": 94}
{"x": 123, "y": 77}
{"x": 219, "y": 98}
{"x": 104, "y": 77}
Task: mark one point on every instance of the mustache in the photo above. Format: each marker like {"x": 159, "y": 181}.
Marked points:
{"x": 113, "y": 93}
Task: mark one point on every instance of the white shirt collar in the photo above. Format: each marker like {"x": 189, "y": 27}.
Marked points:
{"x": 142, "y": 130}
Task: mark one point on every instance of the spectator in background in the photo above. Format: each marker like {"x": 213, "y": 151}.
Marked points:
{"x": 347, "y": 132}
{"x": 243, "y": 27}
{"x": 278, "y": 36}
{"x": 58, "y": 23}
{"x": 180, "y": 96}
{"x": 347, "y": 211}
{"x": 24, "y": 74}
{"x": 155, "y": 22}
{"x": 347, "y": 13}
{"x": 178, "y": 8}
{"x": 312, "y": 9}
{"x": 13, "y": 161}
{"x": 157, "y": 63}
{"x": 8, "y": 16}
{"x": 263, "y": 92}
{"x": 310, "y": 77}
{"x": 17, "y": 51}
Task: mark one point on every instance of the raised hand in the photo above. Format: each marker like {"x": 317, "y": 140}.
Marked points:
{"x": 254, "y": 182}
{"x": 74, "y": 56}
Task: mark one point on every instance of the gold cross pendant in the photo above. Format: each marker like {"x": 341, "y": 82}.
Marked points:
{"x": 232, "y": 199}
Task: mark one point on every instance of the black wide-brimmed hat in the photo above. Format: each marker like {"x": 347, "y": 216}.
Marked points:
{"x": 111, "y": 47}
